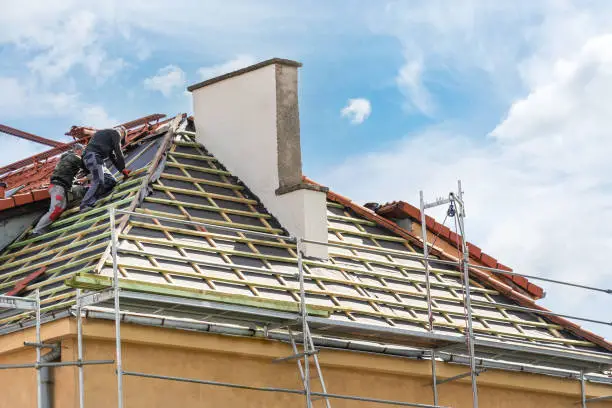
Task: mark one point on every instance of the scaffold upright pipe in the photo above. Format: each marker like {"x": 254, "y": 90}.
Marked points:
{"x": 38, "y": 354}
{"x": 434, "y": 379}
{"x": 460, "y": 215}
{"x": 583, "y": 402}
{"x": 80, "y": 349}
{"x": 304, "y": 317}
{"x": 119, "y": 368}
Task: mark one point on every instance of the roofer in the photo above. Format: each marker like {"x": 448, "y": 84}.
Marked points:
{"x": 68, "y": 166}
{"x": 104, "y": 144}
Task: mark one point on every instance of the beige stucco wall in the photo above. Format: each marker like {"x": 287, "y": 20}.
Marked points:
{"x": 249, "y": 361}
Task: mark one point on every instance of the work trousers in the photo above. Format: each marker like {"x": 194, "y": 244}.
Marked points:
{"x": 57, "y": 207}
{"x": 102, "y": 182}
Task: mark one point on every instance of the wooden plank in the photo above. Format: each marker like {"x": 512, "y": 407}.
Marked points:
{"x": 201, "y": 181}
{"x": 198, "y": 168}
{"x": 188, "y": 144}
{"x": 47, "y": 252}
{"x": 98, "y": 282}
{"x": 207, "y": 208}
{"x": 332, "y": 204}
{"x": 55, "y": 260}
{"x": 217, "y": 237}
{"x": 366, "y": 234}
{"x": 351, "y": 219}
{"x": 204, "y": 194}
{"x": 214, "y": 222}
{"x": 192, "y": 156}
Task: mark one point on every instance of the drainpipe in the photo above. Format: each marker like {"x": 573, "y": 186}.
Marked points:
{"x": 46, "y": 376}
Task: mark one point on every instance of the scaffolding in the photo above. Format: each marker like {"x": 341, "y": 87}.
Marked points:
{"x": 15, "y": 303}
{"x": 284, "y": 324}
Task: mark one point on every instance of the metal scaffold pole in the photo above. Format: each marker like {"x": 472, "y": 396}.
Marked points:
{"x": 38, "y": 355}
{"x": 304, "y": 317}
{"x": 460, "y": 215}
{"x": 583, "y": 402}
{"x": 434, "y": 380}
{"x": 80, "y": 349}
{"x": 117, "y": 309}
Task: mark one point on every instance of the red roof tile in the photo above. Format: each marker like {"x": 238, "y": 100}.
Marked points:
{"x": 22, "y": 199}
{"x": 401, "y": 210}
{"x": 6, "y": 203}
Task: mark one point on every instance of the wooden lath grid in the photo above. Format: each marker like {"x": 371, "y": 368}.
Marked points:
{"x": 357, "y": 283}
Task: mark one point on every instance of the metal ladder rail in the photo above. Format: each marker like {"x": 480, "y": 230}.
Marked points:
{"x": 309, "y": 350}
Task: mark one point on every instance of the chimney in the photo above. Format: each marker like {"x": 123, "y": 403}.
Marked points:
{"x": 249, "y": 120}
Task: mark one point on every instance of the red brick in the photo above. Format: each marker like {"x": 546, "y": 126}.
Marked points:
{"x": 520, "y": 280}
{"x": 503, "y": 267}
{"x": 430, "y": 222}
{"x": 411, "y": 211}
{"x": 454, "y": 238}
{"x": 21, "y": 199}
{"x": 6, "y": 203}
{"x": 40, "y": 194}
{"x": 488, "y": 260}
{"x": 442, "y": 231}
{"x": 535, "y": 290}
{"x": 475, "y": 251}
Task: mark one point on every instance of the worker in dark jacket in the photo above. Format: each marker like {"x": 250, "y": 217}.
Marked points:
{"x": 70, "y": 163}
{"x": 104, "y": 144}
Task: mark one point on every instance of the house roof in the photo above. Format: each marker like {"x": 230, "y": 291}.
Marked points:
{"x": 373, "y": 275}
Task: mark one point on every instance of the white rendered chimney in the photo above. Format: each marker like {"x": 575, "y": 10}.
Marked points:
{"x": 249, "y": 120}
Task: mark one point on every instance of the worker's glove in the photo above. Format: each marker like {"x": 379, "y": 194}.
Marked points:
{"x": 126, "y": 173}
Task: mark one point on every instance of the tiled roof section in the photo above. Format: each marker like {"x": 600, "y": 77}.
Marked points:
{"x": 402, "y": 210}
{"x": 483, "y": 277}
{"x": 33, "y": 173}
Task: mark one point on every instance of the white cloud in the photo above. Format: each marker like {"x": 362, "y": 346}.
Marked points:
{"x": 20, "y": 100}
{"x": 357, "y": 110}
{"x": 410, "y": 82}
{"x": 167, "y": 80}
{"x": 97, "y": 117}
{"x": 240, "y": 61}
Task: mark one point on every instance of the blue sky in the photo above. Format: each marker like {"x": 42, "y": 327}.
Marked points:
{"x": 511, "y": 97}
